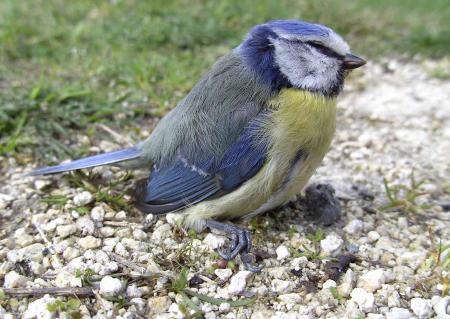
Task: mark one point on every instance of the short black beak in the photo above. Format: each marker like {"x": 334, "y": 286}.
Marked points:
{"x": 352, "y": 62}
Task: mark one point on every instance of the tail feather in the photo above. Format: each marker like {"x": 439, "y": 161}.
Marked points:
{"x": 91, "y": 161}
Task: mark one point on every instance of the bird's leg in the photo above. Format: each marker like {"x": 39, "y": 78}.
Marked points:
{"x": 241, "y": 243}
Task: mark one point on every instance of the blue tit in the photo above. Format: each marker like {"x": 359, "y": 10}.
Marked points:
{"x": 247, "y": 137}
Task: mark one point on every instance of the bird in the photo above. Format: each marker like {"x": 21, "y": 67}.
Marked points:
{"x": 247, "y": 137}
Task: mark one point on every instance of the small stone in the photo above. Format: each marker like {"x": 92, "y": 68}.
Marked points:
{"x": 238, "y": 282}
{"x": 70, "y": 253}
{"x": 22, "y": 238}
{"x": 110, "y": 287}
{"x": 281, "y": 286}
{"x": 214, "y": 241}
{"x": 66, "y": 279}
{"x": 332, "y": 244}
{"x": 394, "y": 300}
{"x": 107, "y": 231}
{"x": 83, "y": 198}
{"x": 38, "y": 309}
{"x": 412, "y": 259}
{"x": 329, "y": 284}
{"x": 372, "y": 280}
{"x": 139, "y": 234}
{"x": 373, "y": 236}
{"x": 122, "y": 215}
{"x": 375, "y": 316}
{"x": 402, "y": 223}
{"x": 14, "y": 280}
{"x": 422, "y": 308}
{"x": 440, "y": 307}
{"x": 174, "y": 218}
{"x": 66, "y": 230}
{"x": 223, "y": 274}
{"x": 355, "y": 226}
{"x": 282, "y": 252}
{"x": 224, "y": 307}
{"x": 398, "y": 313}
{"x": 158, "y": 305}
{"x": 292, "y": 298}
{"x": 32, "y": 252}
{"x": 41, "y": 184}
{"x": 5, "y": 200}
{"x": 89, "y": 242}
{"x": 133, "y": 291}
{"x": 347, "y": 284}
{"x": 98, "y": 213}
{"x": 365, "y": 300}
{"x": 86, "y": 225}
{"x": 160, "y": 233}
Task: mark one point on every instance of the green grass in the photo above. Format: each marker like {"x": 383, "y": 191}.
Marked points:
{"x": 65, "y": 65}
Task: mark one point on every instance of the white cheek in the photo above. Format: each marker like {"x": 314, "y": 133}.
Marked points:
{"x": 307, "y": 69}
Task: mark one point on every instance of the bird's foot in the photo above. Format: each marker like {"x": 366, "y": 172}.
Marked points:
{"x": 241, "y": 243}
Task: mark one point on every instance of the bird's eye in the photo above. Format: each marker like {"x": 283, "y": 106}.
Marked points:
{"x": 323, "y": 49}
{"x": 316, "y": 44}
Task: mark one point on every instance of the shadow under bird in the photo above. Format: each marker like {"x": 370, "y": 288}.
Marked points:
{"x": 247, "y": 137}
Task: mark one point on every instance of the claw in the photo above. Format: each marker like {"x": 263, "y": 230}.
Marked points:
{"x": 247, "y": 261}
{"x": 241, "y": 244}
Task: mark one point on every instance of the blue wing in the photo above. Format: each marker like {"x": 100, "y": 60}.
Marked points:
{"x": 185, "y": 183}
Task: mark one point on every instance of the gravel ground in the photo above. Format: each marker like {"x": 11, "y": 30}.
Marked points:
{"x": 382, "y": 259}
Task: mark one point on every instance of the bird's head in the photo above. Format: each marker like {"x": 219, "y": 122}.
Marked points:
{"x": 291, "y": 53}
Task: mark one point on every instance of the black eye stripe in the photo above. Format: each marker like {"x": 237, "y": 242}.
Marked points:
{"x": 323, "y": 49}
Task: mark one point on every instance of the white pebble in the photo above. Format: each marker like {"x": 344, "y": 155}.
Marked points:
{"x": 110, "y": 287}
{"x": 214, "y": 241}
{"x": 329, "y": 284}
{"x": 292, "y": 298}
{"x": 364, "y": 299}
{"x": 160, "y": 233}
{"x": 332, "y": 244}
{"x": 281, "y": 286}
{"x": 38, "y": 309}
{"x": 394, "y": 300}
{"x": 347, "y": 284}
{"x": 66, "y": 230}
{"x": 238, "y": 282}
{"x": 422, "y": 308}
{"x": 32, "y": 252}
{"x": 398, "y": 313}
{"x": 5, "y": 200}
{"x": 440, "y": 307}
{"x": 223, "y": 274}
{"x": 98, "y": 213}
{"x": 14, "y": 280}
{"x": 174, "y": 218}
{"x": 139, "y": 234}
{"x": 86, "y": 225}
{"x": 373, "y": 236}
{"x": 122, "y": 215}
{"x": 66, "y": 279}
{"x": 224, "y": 307}
{"x": 133, "y": 291}
{"x": 372, "y": 280}
{"x": 89, "y": 242}
{"x": 282, "y": 252}
{"x": 355, "y": 226}
{"x": 83, "y": 198}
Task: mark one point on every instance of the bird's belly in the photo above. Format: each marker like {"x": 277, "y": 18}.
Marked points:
{"x": 301, "y": 128}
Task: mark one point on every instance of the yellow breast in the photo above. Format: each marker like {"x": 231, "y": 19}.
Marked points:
{"x": 302, "y": 122}
{"x": 299, "y": 121}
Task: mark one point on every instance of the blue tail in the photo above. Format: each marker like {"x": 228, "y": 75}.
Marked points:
{"x": 91, "y": 161}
